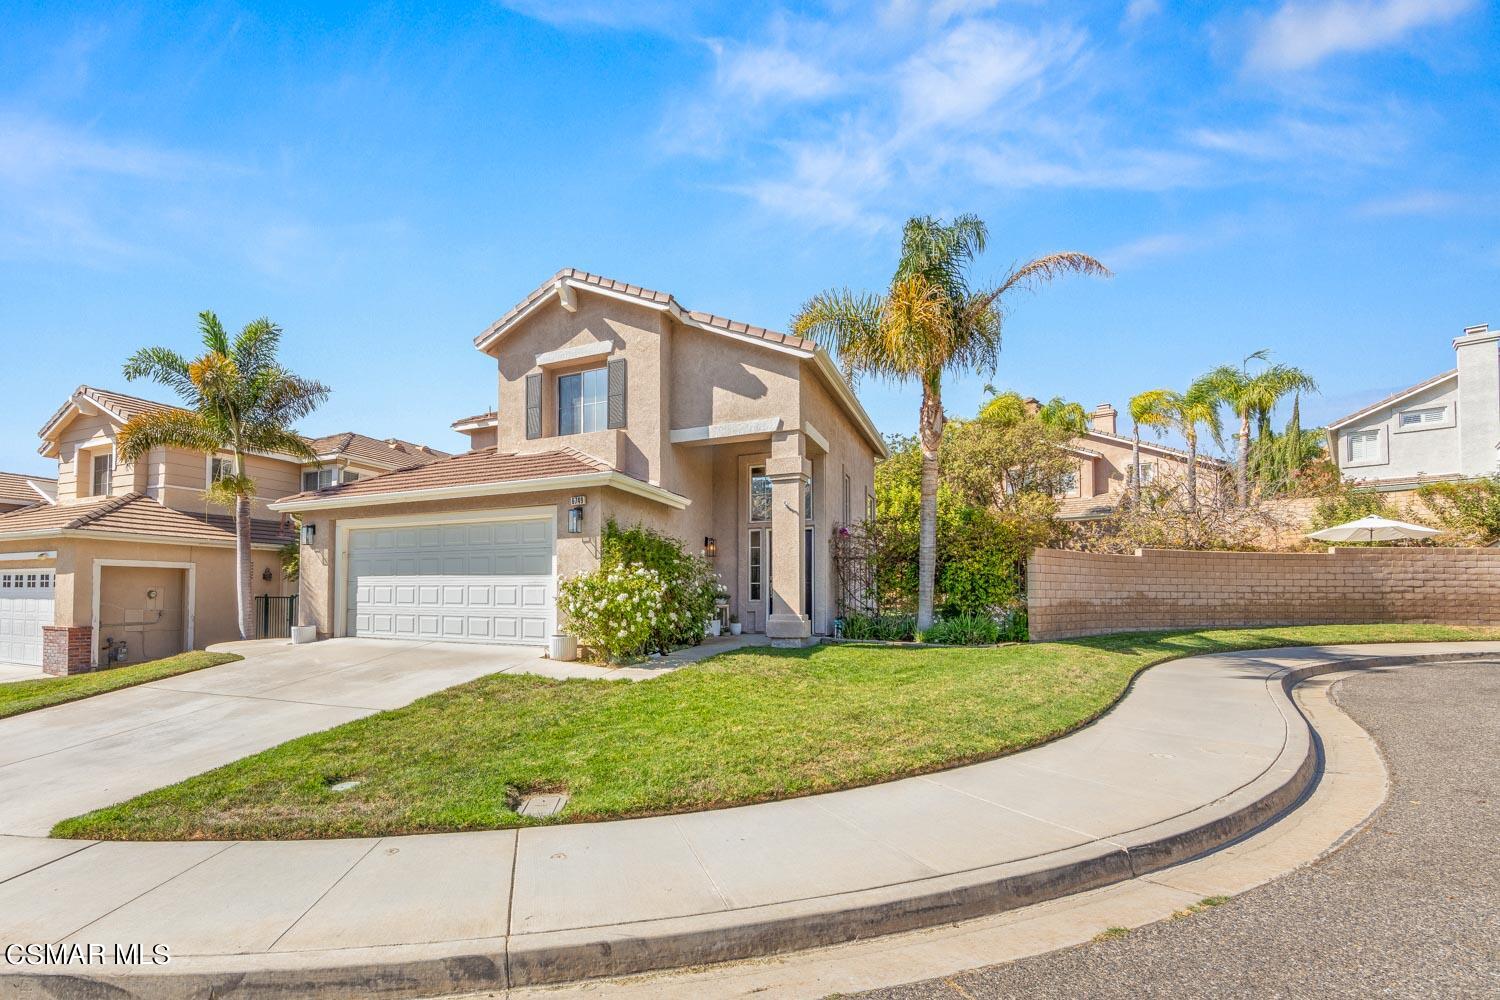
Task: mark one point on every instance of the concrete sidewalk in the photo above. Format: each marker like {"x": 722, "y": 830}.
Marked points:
{"x": 1201, "y": 751}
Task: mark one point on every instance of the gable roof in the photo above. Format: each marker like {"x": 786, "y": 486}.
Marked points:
{"x": 138, "y": 517}
{"x": 565, "y": 282}
{"x": 1151, "y": 446}
{"x": 15, "y": 487}
{"x": 1393, "y": 399}
{"x": 391, "y": 452}
{"x": 483, "y": 472}
{"x": 120, "y": 407}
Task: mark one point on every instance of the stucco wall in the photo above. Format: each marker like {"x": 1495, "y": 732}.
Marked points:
{"x": 144, "y": 607}
{"x": 1407, "y": 452}
{"x": 1083, "y": 593}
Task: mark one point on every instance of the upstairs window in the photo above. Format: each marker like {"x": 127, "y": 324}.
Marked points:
{"x": 1068, "y": 484}
{"x": 583, "y": 402}
{"x": 104, "y": 469}
{"x": 219, "y": 468}
{"x": 1364, "y": 446}
{"x": 1426, "y": 416}
{"x": 319, "y": 479}
{"x": 1148, "y": 472}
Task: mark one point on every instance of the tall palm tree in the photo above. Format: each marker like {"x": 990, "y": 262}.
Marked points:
{"x": 239, "y": 398}
{"x": 929, "y": 321}
{"x": 1150, "y": 409}
{"x": 1184, "y": 412}
{"x": 1251, "y": 396}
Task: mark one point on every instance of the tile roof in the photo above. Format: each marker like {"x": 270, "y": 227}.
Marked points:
{"x": 1393, "y": 397}
{"x": 1087, "y": 508}
{"x": 138, "y": 514}
{"x": 390, "y": 451}
{"x": 484, "y": 417}
{"x": 648, "y": 295}
{"x": 16, "y": 487}
{"x": 1209, "y": 460}
{"x": 473, "y": 468}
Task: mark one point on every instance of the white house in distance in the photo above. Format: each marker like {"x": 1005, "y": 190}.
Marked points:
{"x": 1446, "y": 427}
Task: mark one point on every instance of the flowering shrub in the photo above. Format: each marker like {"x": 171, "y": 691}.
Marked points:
{"x": 615, "y": 610}
{"x": 689, "y": 586}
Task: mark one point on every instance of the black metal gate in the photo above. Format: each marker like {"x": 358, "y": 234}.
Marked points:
{"x": 275, "y": 616}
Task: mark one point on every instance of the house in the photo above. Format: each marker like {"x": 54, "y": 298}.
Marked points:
{"x": 17, "y": 491}
{"x": 126, "y": 562}
{"x": 1446, "y": 427}
{"x": 613, "y": 402}
{"x": 1105, "y": 462}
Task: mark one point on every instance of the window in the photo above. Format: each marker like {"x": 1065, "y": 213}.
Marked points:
{"x": 760, "y": 494}
{"x": 807, "y": 572}
{"x": 757, "y": 568}
{"x": 219, "y": 468}
{"x": 846, "y": 507}
{"x": 582, "y": 402}
{"x": 1364, "y": 446}
{"x": 869, "y": 506}
{"x": 319, "y": 479}
{"x": 1148, "y": 472}
{"x": 104, "y": 467}
{"x": 348, "y": 477}
{"x": 1425, "y": 416}
{"x": 807, "y": 499}
{"x": 1068, "y": 485}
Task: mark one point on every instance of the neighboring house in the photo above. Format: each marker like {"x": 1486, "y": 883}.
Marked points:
{"x": 1105, "y": 463}
{"x": 1446, "y": 427}
{"x": 616, "y": 403}
{"x": 129, "y": 562}
{"x": 17, "y": 491}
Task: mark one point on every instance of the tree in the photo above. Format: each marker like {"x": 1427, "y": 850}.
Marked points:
{"x": 239, "y": 398}
{"x": 1183, "y": 412}
{"x": 1468, "y": 510}
{"x": 1252, "y": 396}
{"x": 1283, "y": 462}
{"x": 929, "y": 321}
{"x": 1151, "y": 409}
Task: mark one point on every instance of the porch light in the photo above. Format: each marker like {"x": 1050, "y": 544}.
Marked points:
{"x": 309, "y": 534}
{"x": 710, "y": 548}
{"x": 575, "y": 520}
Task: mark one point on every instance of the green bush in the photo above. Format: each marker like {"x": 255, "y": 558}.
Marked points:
{"x": 689, "y": 586}
{"x": 963, "y": 630}
{"x": 613, "y": 610}
{"x": 1468, "y": 510}
{"x": 1350, "y": 504}
{"x": 885, "y": 628}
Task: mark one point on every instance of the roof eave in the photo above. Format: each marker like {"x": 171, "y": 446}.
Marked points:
{"x": 1390, "y": 401}
{"x": 130, "y": 536}
{"x": 508, "y": 487}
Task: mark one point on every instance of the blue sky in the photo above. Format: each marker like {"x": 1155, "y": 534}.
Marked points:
{"x": 1314, "y": 177}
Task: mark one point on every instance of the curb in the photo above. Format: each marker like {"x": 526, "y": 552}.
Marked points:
{"x": 630, "y": 949}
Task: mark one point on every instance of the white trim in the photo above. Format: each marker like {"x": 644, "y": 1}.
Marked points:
{"x": 493, "y": 420}
{"x": 28, "y": 556}
{"x": 49, "y": 498}
{"x": 125, "y": 536}
{"x": 1391, "y": 401}
{"x": 563, "y": 355}
{"x": 1448, "y": 420}
{"x": 192, "y": 598}
{"x": 510, "y": 487}
{"x": 734, "y": 430}
{"x": 340, "y": 624}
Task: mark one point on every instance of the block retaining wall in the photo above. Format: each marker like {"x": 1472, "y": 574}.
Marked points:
{"x": 1085, "y": 593}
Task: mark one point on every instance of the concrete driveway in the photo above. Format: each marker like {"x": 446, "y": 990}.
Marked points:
{"x": 62, "y": 761}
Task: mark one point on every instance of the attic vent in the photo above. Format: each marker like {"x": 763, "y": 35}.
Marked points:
{"x": 1477, "y": 331}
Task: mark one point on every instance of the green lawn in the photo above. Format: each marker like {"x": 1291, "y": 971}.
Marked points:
{"x": 741, "y": 727}
{"x": 28, "y": 696}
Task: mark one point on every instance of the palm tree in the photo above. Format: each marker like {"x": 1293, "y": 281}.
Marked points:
{"x": 1183, "y": 412}
{"x": 928, "y": 322}
{"x": 239, "y": 398}
{"x": 1151, "y": 409}
{"x": 1061, "y": 414}
{"x": 1251, "y": 396}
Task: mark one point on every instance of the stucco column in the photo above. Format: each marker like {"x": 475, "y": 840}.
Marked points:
{"x": 789, "y": 471}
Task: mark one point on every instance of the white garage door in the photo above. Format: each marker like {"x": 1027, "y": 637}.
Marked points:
{"x": 483, "y": 582}
{"x": 25, "y": 606}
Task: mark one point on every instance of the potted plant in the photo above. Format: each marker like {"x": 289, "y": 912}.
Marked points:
{"x": 562, "y": 646}
{"x": 734, "y": 625}
{"x": 712, "y": 627}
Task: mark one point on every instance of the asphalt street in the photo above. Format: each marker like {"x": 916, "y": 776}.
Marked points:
{"x": 1409, "y": 907}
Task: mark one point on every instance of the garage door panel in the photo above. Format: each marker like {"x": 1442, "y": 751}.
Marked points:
{"x": 25, "y": 606}
{"x": 482, "y": 582}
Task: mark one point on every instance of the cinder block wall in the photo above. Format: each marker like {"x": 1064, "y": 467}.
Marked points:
{"x": 1084, "y": 593}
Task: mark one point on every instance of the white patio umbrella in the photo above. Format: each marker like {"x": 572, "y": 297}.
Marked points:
{"x": 1373, "y": 529}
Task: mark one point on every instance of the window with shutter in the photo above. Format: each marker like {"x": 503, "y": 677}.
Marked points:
{"x": 534, "y": 405}
{"x": 616, "y": 392}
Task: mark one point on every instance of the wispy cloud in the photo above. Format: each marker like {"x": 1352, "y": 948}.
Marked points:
{"x": 1301, "y": 35}
{"x": 771, "y": 73}
{"x": 1412, "y": 203}
{"x": 1138, "y": 12}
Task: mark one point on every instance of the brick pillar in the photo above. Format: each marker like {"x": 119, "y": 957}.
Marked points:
{"x": 67, "y": 649}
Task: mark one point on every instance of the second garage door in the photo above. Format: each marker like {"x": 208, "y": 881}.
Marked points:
{"x": 489, "y": 581}
{"x": 25, "y": 606}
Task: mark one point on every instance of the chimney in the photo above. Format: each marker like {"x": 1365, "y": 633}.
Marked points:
{"x": 1103, "y": 418}
{"x": 1478, "y": 353}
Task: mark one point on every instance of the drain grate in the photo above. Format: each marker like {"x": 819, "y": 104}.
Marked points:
{"x": 537, "y": 806}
